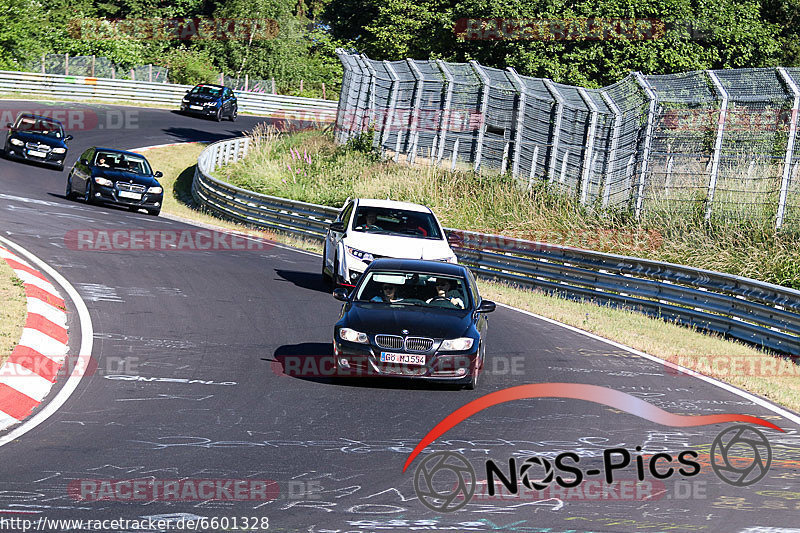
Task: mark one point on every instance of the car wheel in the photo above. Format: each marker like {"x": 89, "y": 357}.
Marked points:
{"x": 218, "y": 116}
{"x": 69, "y": 195}
{"x": 472, "y": 381}
{"x": 326, "y": 278}
{"x": 87, "y": 195}
{"x": 234, "y": 113}
{"x": 335, "y": 274}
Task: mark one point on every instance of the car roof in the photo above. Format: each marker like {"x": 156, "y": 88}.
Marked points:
{"x": 116, "y": 151}
{"x": 209, "y": 85}
{"x": 391, "y": 204}
{"x": 419, "y": 265}
{"x": 39, "y": 117}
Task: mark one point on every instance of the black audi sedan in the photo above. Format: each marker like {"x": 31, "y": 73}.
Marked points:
{"x": 116, "y": 176}
{"x": 412, "y": 318}
{"x": 211, "y": 100}
{"x": 37, "y": 138}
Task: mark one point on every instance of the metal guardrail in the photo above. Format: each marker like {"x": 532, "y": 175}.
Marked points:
{"x": 746, "y": 309}
{"x": 168, "y": 94}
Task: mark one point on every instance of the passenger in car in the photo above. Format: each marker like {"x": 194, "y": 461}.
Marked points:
{"x": 388, "y": 294}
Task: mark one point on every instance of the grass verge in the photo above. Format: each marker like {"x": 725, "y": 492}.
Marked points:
{"x": 310, "y": 167}
{"x": 778, "y": 379}
{"x": 12, "y": 312}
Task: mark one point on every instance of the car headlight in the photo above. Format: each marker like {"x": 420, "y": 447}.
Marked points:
{"x": 16, "y": 142}
{"x": 359, "y": 254}
{"x": 351, "y": 335}
{"x": 59, "y": 150}
{"x": 103, "y": 181}
{"x": 155, "y": 190}
{"x": 456, "y": 345}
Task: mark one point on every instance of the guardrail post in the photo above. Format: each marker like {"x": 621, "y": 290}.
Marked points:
{"x": 787, "y": 161}
{"x": 612, "y": 153}
{"x": 485, "y": 86}
{"x": 412, "y": 140}
{"x": 389, "y": 119}
{"x": 519, "y": 119}
{"x": 588, "y": 155}
{"x": 551, "y": 88}
{"x": 723, "y": 111}
{"x": 445, "y": 116}
{"x": 648, "y": 139}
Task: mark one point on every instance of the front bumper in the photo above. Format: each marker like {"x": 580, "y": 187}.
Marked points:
{"x": 362, "y": 360}
{"x": 111, "y": 195}
{"x": 205, "y": 110}
{"x": 21, "y": 152}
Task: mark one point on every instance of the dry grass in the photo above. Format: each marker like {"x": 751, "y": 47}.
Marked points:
{"x": 12, "y": 312}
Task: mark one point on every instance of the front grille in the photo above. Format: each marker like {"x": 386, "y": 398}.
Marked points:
{"x": 37, "y": 146}
{"x": 418, "y": 344}
{"x": 392, "y": 342}
{"x": 131, "y": 187}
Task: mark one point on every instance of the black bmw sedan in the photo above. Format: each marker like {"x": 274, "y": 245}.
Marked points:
{"x": 412, "y": 318}
{"x": 37, "y": 138}
{"x": 210, "y": 100}
{"x": 116, "y": 176}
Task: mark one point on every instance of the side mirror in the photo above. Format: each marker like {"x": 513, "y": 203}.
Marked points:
{"x": 340, "y": 294}
{"x": 337, "y": 226}
{"x": 486, "y": 307}
{"x": 158, "y": 174}
{"x": 84, "y": 162}
{"x": 68, "y": 138}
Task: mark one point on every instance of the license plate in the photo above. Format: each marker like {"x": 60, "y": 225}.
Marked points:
{"x": 402, "y": 358}
{"x": 131, "y": 195}
{"x": 36, "y": 153}
{"x": 197, "y": 107}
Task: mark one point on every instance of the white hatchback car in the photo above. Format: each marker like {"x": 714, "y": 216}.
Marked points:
{"x": 370, "y": 229}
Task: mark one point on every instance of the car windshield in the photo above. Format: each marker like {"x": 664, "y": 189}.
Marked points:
{"x": 396, "y": 222}
{"x": 41, "y": 126}
{"x": 206, "y": 90}
{"x": 123, "y": 162}
{"x": 413, "y": 289}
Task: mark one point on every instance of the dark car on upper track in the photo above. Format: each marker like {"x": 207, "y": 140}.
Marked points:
{"x": 116, "y": 176}
{"x": 37, "y": 138}
{"x": 211, "y": 100}
{"x": 413, "y": 318}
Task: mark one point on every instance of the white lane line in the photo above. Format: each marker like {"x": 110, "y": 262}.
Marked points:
{"x": 725, "y": 386}
{"x": 87, "y": 333}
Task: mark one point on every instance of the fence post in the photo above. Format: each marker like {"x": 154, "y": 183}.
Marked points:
{"x": 43, "y": 64}
{"x": 66, "y": 64}
{"x": 389, "y": 119}
{"x": 551, "y": 88}
{"x": 445, "y": 116}
{"x": 413, "y": 134}
{"x": 362, "y": 112}
{"x": 150, "y": 71}
{"x": 588, "y": 154}
{"x": 787, "y": 162}
{"x": 324, "y": 95}
{"x": 533, "y": 166}
{"x": 648, "y": 138}
{"x": 723, "y": 111}
{"x": 273, "y": 86}
{"x": 222, "y": 78}
{"x": 485, "y": 86}
{"x": 612, "y": 153}
{"x": 371, "y": 95}
{"x": 93, "y": 66}
{"x": 519, "y": 120}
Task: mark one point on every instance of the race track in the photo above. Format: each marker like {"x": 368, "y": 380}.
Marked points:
{"x": 219, "y": 324}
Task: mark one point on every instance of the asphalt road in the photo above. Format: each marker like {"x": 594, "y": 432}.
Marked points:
{"x": 190, "y": 346}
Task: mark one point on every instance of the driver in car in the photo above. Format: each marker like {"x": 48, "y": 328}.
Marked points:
{"x": 370, "y": 223}
{"x": 388, "y": 294}
{"x": 444, "y": 291}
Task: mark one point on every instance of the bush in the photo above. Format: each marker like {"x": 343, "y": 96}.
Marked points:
{"x": 190, "y": 67}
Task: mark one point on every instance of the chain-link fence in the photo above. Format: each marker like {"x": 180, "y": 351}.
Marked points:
{"x": 717, "y": 144}
{"x": 95, "y": 67}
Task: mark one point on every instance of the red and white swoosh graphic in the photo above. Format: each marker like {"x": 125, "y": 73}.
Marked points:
{"x": 579, "y": 391}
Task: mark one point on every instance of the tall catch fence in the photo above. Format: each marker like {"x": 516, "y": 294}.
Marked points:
{"x": 718, "y": 145}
